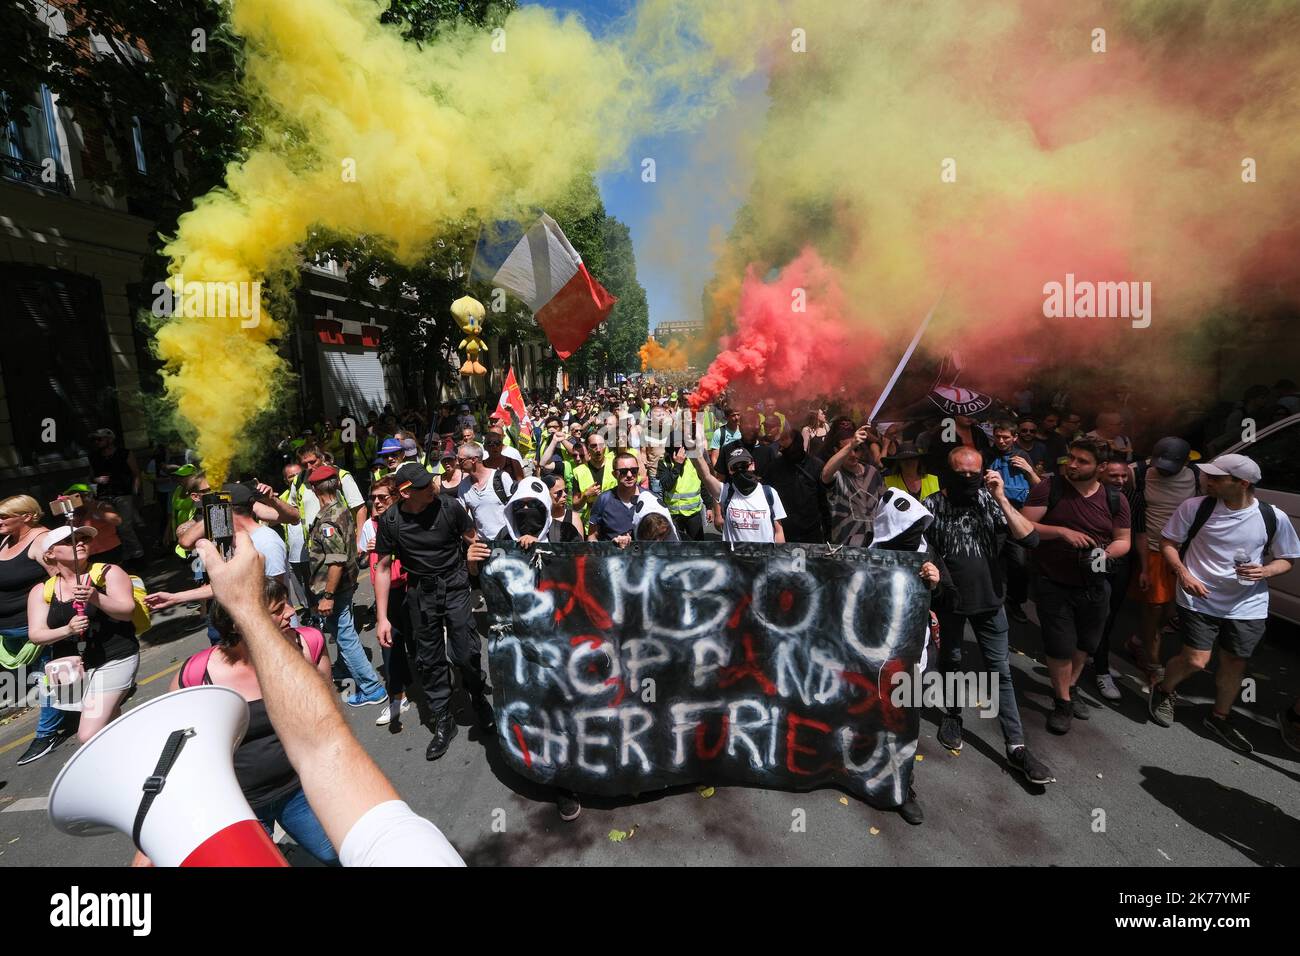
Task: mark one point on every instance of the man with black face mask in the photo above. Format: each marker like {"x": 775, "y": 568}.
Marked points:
{"x": 796, "y": 477}
{"x": 973, "y": 519}
{"x": 751, "y": 511}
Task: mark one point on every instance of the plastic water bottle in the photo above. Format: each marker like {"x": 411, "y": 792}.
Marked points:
{"x": 1240, "y": 559}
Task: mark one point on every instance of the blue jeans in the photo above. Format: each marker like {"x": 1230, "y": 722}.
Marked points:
{"x": 339, "y": 623}
{"x": 991, "y": 634}
{"x": 295, "y": 816}
{"x": 51, "y": 718}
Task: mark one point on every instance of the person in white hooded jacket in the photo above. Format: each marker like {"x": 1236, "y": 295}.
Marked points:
{"x": 899, "y": 525}
{"x": 528, "y": 521}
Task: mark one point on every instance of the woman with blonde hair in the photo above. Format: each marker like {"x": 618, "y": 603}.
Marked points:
{"x": 21, "y": 535}
{"x": 98, "y": 612}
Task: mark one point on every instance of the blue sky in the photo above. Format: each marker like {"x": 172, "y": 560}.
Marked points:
{"x": 673, "y": 219}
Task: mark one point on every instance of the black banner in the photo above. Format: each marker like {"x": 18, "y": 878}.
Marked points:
{"x": 622, "y": 671}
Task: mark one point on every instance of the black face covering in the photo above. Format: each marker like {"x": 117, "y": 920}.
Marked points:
{"x": 795, "y": 452}
{"x": 909, "y": 540}
{"x": 962, "y": 489}
{"x": 530, "y": 517}
{"x": 745, "y": 481}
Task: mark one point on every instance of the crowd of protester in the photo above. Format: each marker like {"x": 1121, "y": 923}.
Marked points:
{"x": 1063, "y": 507}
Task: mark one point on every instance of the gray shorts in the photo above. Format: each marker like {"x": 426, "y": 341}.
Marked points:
{"x": 1200, "y": 631}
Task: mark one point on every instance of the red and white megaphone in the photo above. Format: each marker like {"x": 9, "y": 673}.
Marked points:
{"x": 164, "y": 774}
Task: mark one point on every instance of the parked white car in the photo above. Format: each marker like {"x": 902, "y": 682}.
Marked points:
{"x": 1276, "y": 449}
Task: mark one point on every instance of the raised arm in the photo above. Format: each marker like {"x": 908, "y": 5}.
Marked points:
{"x": 837, "y": 460}
{"x": 708, "y": 481}
{"x": 1019, "y": 526}
{"x": 341, "y": 781}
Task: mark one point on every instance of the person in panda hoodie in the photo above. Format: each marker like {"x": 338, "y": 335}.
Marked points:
{"x": 528, "y": 521}
{"x": 527, "y": 514}
{"x": 899, "y": 525}
{"x": 651, "y": 521}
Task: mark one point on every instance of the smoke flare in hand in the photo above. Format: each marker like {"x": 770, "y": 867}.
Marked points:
{"x": 791, "y": 335}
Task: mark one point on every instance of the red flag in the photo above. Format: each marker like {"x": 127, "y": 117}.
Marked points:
{"x": 511, "y": 399}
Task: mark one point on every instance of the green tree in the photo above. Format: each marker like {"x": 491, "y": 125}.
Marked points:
{"x": 629, "y": 322}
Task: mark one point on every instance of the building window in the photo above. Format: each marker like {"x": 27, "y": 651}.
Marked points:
{"x": 57, "y": 367}
{"x": 30, "y": 152}
{"x": 137, "y": 140}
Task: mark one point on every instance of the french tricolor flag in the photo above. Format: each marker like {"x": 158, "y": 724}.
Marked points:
{"x": 540, "y": 267}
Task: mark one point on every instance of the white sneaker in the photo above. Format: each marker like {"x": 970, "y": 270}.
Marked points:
{"x": 1107, "y": 687}
{"x": 386, "y": 717}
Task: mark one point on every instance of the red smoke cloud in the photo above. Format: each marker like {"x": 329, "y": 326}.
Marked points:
{"x": 786, "y": 351}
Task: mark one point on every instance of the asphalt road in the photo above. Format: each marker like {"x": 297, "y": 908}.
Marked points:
{"x": 1174, "y": 797}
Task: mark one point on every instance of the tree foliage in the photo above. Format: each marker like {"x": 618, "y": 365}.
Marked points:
{"x": 175, "y": 66}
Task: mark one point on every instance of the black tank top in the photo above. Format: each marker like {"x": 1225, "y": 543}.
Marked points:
{"x": 261, "y": 765}
{"x": 17, "y": 575}
{"x": 562, "y": 529}
{"x": 107, "y": 640}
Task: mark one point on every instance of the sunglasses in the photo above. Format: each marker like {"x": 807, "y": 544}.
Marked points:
{"x": 381, "y": 498}
{"x": 626, "y": 471}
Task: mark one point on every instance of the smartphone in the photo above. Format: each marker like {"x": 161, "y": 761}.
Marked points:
{"x": 65, "y": 505}
{"x": 218, "y": 523}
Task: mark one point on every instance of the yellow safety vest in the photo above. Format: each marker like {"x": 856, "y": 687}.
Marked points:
{"x": 685, "y": 498}
{"x": 584, "y": 479}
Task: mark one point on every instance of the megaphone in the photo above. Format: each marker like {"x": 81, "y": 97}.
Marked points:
{"x": 164, "y": 774}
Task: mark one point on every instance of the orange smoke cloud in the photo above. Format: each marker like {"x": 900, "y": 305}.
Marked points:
{"x": 670, "y": 358}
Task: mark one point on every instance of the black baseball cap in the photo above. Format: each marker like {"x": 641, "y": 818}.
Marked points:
{"x": 738, "y": 456}
{"x": 1170, "y": 455}
{"x": 240, "y": 494}
{"x": 413, "y": 475}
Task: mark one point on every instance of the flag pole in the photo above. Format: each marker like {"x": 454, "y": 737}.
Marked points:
{"x": 902, "y": 363}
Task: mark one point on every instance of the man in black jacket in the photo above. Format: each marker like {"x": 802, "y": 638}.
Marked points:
{"x": 795, "y": 475}
{"x": 973, "y": 518}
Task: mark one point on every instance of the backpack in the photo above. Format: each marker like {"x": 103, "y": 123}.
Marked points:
{"x": 140, "y": 616}
{"x": 499, "y": 486}
{"x": 193, "y": 669}
{"x": 1206, "y": 508}
{"x": 1056, "y": 491}
{"x": 767, "y": 493}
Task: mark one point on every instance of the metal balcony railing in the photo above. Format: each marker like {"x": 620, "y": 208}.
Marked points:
{"x": 21, "y": 171}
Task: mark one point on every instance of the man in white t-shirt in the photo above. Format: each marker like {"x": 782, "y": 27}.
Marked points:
{"x": 751, "y": 511}
{"x": 1217, "y": 547}
{"x": 486, "y": 498}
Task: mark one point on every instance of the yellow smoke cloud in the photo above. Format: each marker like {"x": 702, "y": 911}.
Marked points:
{"x": 365, "y": 134}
